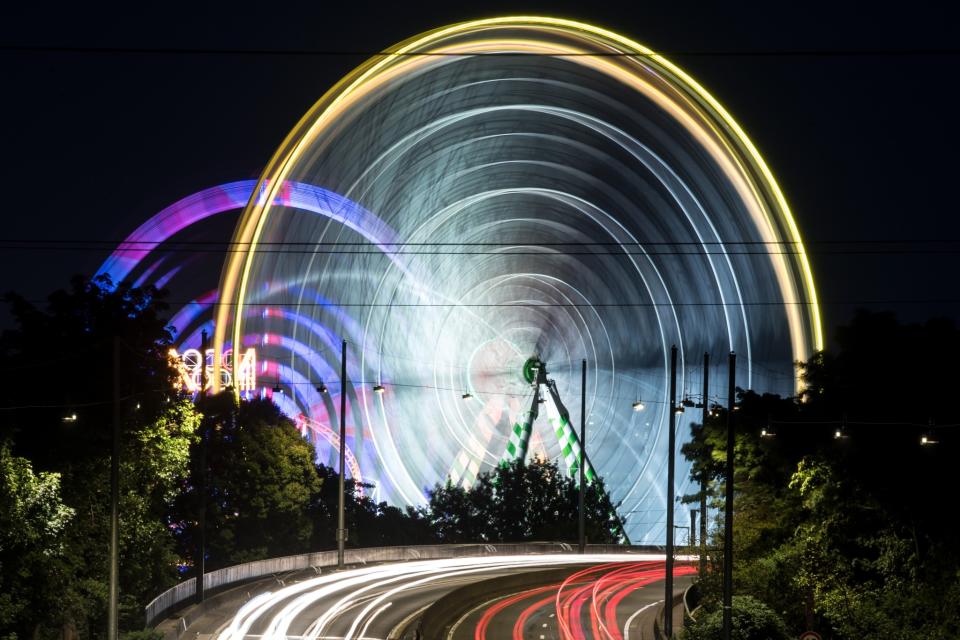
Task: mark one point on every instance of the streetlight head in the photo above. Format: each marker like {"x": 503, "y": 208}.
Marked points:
{"x": 679, "y": 409}
{"x": 322, "y": 388}
{"x": 638, "y": 405}
{"x": 838, "y": 434}
{"x": 378, "y": 388}
{"x": 70, "y": 418}
{"x": 467, "y": 395}
{"x": 276, "y": 388}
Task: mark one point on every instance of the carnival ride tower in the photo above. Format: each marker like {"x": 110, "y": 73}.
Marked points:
{"x": 545, "y": 392}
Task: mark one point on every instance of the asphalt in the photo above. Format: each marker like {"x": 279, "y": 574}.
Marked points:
{"x": 396, "y": 604}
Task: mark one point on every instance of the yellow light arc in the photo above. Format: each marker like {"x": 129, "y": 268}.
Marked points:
{"x": 662, "y": 81}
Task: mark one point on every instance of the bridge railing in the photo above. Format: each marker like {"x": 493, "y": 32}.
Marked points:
{"x": 186, "y": 590}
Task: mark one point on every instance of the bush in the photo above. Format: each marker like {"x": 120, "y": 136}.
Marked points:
{"x": 750, "y": 620}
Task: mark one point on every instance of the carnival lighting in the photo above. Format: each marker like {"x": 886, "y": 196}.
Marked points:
{"x": 431, "y": 166}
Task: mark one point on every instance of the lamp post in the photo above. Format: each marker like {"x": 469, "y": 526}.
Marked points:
{"x": 202, "y": 518}
{"x": 583, "y": 454}
{"x": 341, "y": 520}
{"x": 671, "y": 445}
{"x": 703, "y": 479}
{"x": 728, "y": 503}
{"x": 114, "y": 595}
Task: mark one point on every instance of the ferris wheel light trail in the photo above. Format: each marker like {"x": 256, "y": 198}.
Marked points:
{"x": 531, "y": 155}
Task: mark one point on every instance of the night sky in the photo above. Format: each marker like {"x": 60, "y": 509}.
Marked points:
{"x": 864, "y": 145}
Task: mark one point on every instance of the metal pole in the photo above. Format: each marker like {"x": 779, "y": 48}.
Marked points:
{"x": 703, "y": 480}
{"x": 692, "y": 536}
{"x": 114, "y": 596}
{"x": 583, "y": 454}
{"x": 728, "y": 503}
{"x": 341, "y": 520}
{"x": 671, "y": 444}
{"x": 201, "y": 560}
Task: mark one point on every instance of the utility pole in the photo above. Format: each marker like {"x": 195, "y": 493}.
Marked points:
{"x": 671, "y": 444}
{"x": 341, "y": 521}
{"x": 201, "y": 560}
{"x": 583, "y": 454}
{"x": 728, "y": 503}
{"x": 692, "y": 538}
{"x": 703, "y": 480}
{"x": 114, "y": 596}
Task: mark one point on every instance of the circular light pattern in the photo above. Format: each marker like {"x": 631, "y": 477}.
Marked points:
{"x": 539, "y": 187}
{"x": 160, "y": 253}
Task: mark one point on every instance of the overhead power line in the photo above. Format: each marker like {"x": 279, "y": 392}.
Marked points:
{"x": 465, "y": 243}
{"x": 557, "y": 305}
{"x": 559, "y": 249}
{"x": 881, "y": 52}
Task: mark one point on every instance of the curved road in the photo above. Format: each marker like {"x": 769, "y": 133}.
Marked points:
{"x": 602, "y": 596}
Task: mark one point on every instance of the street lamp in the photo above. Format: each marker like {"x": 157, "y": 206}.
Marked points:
{"x": 767, "y": 431}
{"x": 322, "y": 388}
{"x": 638, "y": 405}
{"x": 378, "y": 388}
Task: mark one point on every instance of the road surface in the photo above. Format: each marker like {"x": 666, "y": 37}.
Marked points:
{"x": 595, "y": 596}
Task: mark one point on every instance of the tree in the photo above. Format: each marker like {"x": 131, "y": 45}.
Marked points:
{"x": 259, "y": 487}
{"x": 57, "y": 374}
{"x": 32, "y": 519}
{"x": 370, "y": 523}
{"x": 750, "y": 619}
{"x": 848, "y": 533}
{"x": 522, "y": 502}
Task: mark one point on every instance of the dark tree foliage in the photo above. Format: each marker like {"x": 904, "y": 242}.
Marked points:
{"x": 522, "y": 502}
{"x": 750, "y": 619}
{"x": 32, "y": 520}
{"x": 57, "y": 374}
{"x": 847, "y": 533}
{"x": 259, "y": 484}
{"x": 62, "y": 358}
{"x": 370, "y": 523}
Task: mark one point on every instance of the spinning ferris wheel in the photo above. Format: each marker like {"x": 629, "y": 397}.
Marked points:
{"x": 500, "y": 188}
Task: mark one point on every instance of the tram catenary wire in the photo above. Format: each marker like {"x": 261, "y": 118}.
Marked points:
{"x": 706, "y": 53}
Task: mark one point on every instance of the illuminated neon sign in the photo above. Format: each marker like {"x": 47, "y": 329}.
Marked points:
{"x": 191, "y": 362}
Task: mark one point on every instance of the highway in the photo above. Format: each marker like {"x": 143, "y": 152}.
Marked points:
{"x": 567, "y": 596}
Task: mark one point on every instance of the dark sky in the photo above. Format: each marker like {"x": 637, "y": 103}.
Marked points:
{"x": 864, "y": 146}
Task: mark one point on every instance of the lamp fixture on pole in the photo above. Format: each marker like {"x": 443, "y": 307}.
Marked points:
{"x": 767, "y": 431}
